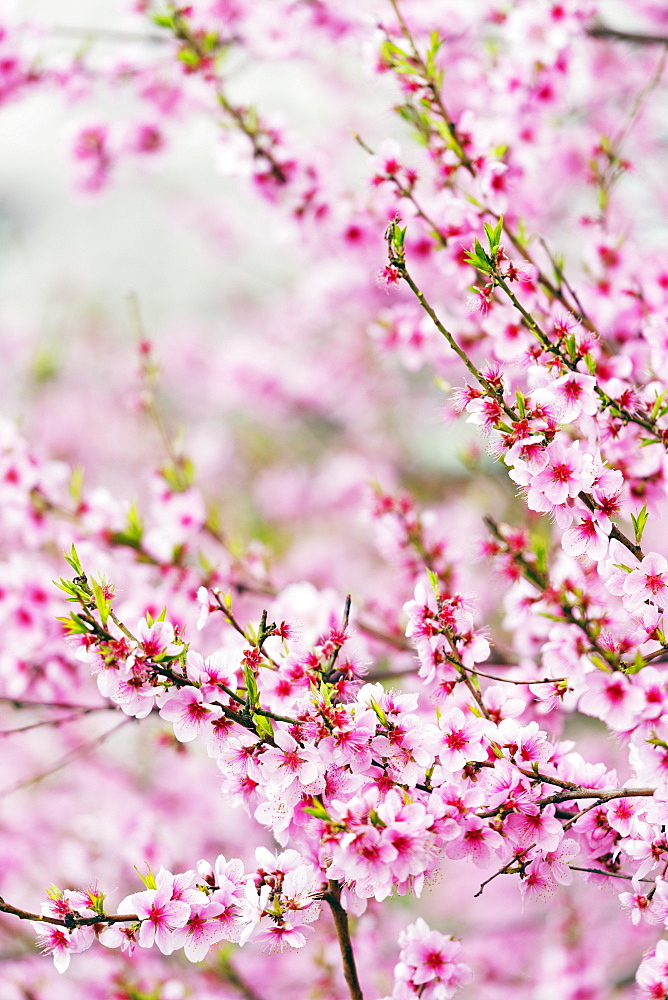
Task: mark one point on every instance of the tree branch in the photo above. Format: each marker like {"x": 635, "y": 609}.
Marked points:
{"x": 635, "y": 37}
{"x": 333, "y": 898}
{"x": 73, "y": 920}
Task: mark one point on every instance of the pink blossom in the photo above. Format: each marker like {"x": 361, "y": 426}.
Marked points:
{"x": 538, "y": 882}
{"x": 590, "y": 536}
{"x": 206, "y": 607}
{"x": 558, "y": 860}
{"x": 564, "y": 473}
{"x": 156, "y": 640}
{"x": 350, "y": 743}
{"x": 202, "y": 931}
{"x": 477, "y": 841}
{"x": 288, "y": 761}
{"x": 461, "y": 739}
{"x": 649, "y": 582}
{"x": 652, "y": 974}
{"x": 429, "y": 964}
{"x": 571, "y": 395}
{"x": 612, "y": 697}
{"x": 189, "y": 712}
{"x": 159, "y": 913}
{"x": 537, "y": 828}
{"x": 61, "y": 943}
{"x": 636, "y": 904}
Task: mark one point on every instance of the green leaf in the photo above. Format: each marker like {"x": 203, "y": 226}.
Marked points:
{"x": 382, "y": 717}
{"x": 189, "y": 57}
{"x": 521, "y": 233}
{"x": 74, "y": 625}
{"x": 97, "y": 900}
{"x": 417, "y": 119}
{"x": 67, "y": 587}
{"x": 599, "y": 662}
{"x": 479, "y": 259}
{"x": 102, "y": 603}
{"x": 76, "y": 483}
{"x": 176, "y": 477}
{"x": 318, "y": 811}
{"x": 657, "y": 404}
{"x": 163, "y": 20}
{"x": 639, "y": 523}
{"x": 391, "y": 54}
{"x": 540, "y": 548}
{"x": 636, "y": 666}
{"x": 73, "y": 560}
{"x": 224, "y": 598}
{"x": 210, "y": 42}
{"x": 493, "y": 234}
{"x": 263, "y": 726}
{"x": 122, "y": 538}
{"x": 252, "y": 693}
{"x": 133, "y": 532}
{"x": 435, "y": 585}
{"x": 149, "y": 878}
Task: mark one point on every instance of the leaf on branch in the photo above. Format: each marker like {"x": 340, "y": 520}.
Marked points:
{"x": 639, "y": 523}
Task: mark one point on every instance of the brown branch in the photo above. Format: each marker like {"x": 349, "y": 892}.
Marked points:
{"x": 582, "y": 792}
{"x": 397, "y": 641}
{"x": 600, "y": 796}
{"x": 73, "y": 920}
{"x": 510, "y": 680}
{"x": 333, "y": 898}
{"x": 635, "y": 37}
{"x": 601, "y": 871}
{"x": 432, "y": 86}
{"x": 516, "y": 859}
{"x": 227, "y": 972}
{"x": 462, "y": 355}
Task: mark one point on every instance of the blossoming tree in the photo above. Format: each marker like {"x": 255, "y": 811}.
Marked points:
{"x": 434, "y": 702}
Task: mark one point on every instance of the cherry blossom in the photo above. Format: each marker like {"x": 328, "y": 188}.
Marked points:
{"x": 298, "y": 606}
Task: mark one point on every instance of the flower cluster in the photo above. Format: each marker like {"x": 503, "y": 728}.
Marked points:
{"x": 489, "y": 702}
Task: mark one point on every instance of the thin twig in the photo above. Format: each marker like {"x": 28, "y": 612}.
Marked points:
{"x": 107, "y": 35}
{"x": 54, "y": 723}
{"x": 462, "y": 355}
{"x": 79, "y": 751}
{"x": 600, "y": 871}
{"x": 230, "y": 975}
{"x": 503, "y": 871}
{"x": 20, "y": 703}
